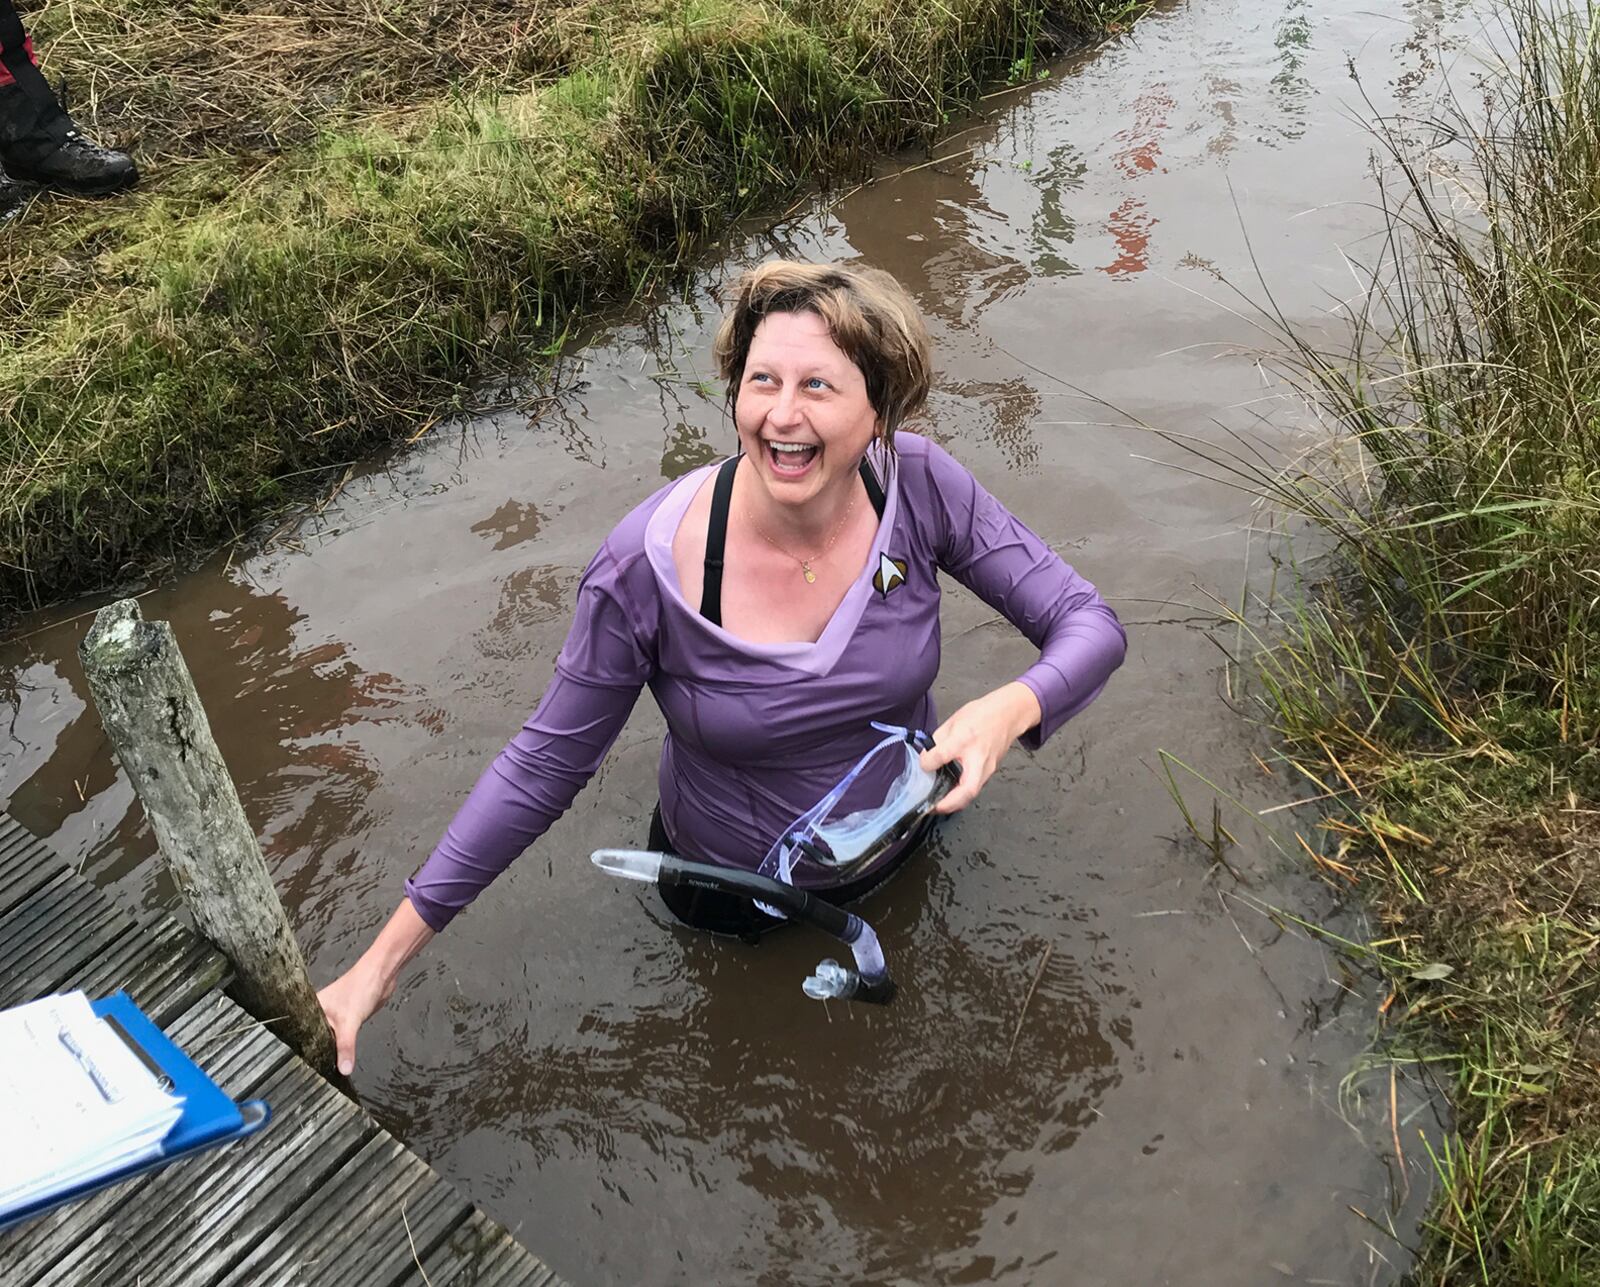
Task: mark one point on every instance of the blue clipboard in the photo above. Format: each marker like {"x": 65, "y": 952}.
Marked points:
{"x": 210, "y": 1117}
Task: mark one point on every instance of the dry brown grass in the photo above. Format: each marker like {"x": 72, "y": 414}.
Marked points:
{"x": 254, "y": 77}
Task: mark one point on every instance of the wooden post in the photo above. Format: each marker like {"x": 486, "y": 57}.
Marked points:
{"x": 149, "y": 706}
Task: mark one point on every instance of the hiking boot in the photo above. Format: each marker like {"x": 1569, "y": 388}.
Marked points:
{"x": 40, "y": 143}
{"x": 72, "y": 165}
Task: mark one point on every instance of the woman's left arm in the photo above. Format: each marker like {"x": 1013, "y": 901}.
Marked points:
{"x": 1080, "y": 640}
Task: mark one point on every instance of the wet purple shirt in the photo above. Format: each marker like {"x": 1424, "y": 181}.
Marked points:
{"x": 757, "y": 733}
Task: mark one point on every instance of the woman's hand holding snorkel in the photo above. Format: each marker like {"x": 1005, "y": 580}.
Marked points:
{"x": 978, "y": 736}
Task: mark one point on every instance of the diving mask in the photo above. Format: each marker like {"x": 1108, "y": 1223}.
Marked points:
{"x": 848, "y": 844}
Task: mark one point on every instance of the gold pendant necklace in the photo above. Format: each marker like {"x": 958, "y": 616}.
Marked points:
{"x": 805, "y": 564}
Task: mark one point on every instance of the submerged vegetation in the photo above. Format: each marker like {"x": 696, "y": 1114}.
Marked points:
{"x": 351, "y": 213}
{"x": 1432, "y": 671}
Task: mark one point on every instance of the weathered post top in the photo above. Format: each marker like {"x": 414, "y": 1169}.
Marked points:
{"x": 151, "y": 712}
{"x": 119, "y": 638}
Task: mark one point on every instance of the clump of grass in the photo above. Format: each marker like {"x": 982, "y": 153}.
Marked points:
{"x": 1433, "y": 672}
{"x": 245, "y": 321}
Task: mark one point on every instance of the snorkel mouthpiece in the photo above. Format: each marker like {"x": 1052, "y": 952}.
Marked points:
{"x": 833, "y": 982}
{"x": 631, "y": 864}
{"x": 869, "y": 981}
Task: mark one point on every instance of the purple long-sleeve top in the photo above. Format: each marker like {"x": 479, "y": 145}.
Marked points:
{"x": 757, "y": 733}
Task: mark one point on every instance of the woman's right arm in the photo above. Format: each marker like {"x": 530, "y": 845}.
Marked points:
{"x": 601, "y": 669}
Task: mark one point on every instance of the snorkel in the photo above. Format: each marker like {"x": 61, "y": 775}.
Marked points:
{"x": 848, "y": 846}
{"x": 869, "y": 981}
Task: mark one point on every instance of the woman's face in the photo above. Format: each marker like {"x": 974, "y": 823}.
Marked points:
{"x": 802, "y": 409}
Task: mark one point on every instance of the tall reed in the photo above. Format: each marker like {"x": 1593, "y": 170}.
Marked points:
{"x": 1433, "y": 664}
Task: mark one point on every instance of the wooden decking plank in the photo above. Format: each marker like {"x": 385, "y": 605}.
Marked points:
{"x": 65, "y": 923}
{"x": 504, "y": 1263}
{"x": 234, "y": 1050}
{"x": 307, "y": 1172}
{"x": 36, "y": 921}
{"x": 74, "y": 1243}
{"x": 312, "y": 1247}
{"x": 113, "y": 962}
{"x": 241, "y": 1065}
{"x": 27, "y": 872}
{"x": 480, "y": 1253}
{"x": 397, "y": 1236}
{"x": 193, "y": 1202}
{"x": 237, "y": 1051}
{"x": 85, "y": 937}
{"x": 292, "y": 1251}
{"x": 155, "y": 964}
{"x": 27, "y": 1252}
{"x": 165, "y": 985}
{"x": 322, "y": 1196}
{"x": 26, "y": 928}
{"x": 315, "y": 1128}
{"x": 47, "y": 970}
{"x": 17, "y": 842}
{"x": 238, "y": 1207}
{"x": 17, "y": 839}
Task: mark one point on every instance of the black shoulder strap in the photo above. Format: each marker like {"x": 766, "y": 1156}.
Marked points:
{"x": 874, "y": 489}
{"x": 716, "y": 542}
{"x": 717, "y": 532}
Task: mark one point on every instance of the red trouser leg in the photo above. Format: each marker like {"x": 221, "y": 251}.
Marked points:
{"x": 27, "y": 47}
{"x": 16, "y": 46}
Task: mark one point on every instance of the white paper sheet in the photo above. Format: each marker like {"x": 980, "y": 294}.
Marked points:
{"x": 75, "y": 1102}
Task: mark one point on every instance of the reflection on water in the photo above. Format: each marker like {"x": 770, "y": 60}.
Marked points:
{"x": 511, "y": 524}
{"x": 1053, "y": 227}
{"x": 688, "y": 447}
{"x": 290, "y": 716}
{"x": 1292, "y": 39}
{"x": 1107, "y": 1065}
{"x": 1130, "y": 226}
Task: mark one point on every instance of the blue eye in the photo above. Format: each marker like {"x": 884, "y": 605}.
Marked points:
{"x": 816, "y": 382}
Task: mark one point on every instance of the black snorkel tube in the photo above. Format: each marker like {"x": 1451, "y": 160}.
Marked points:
{"x": 869, "y": 981}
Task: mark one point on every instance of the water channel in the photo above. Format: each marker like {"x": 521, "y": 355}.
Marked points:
{"x": 1181, "y": 1099}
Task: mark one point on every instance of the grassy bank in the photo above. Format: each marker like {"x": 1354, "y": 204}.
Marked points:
{"x": 1433, "y": 675}
{"x": 350, "y": 213}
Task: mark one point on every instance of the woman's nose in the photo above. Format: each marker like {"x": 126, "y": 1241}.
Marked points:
{"x": 785, "y": 408}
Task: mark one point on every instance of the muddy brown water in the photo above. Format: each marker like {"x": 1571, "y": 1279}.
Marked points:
{"x": 1181, "y": 1099}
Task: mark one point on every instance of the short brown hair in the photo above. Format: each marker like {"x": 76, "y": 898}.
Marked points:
{"x": 870, "y": 316}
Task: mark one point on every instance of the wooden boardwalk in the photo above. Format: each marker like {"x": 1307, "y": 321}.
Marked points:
{"x": 322, "y": 1196}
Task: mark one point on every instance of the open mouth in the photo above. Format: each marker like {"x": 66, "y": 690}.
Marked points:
{"x": 790, "y": 457}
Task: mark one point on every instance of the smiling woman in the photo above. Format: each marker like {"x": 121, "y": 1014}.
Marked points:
{"x": 777, "y": 605}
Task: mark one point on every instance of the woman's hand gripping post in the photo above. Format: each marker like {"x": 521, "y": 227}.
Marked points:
{"x": 978, "y": 737}
{"x": 357, "y": 994}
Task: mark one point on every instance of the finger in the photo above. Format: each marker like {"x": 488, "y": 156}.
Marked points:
{"x": 345, "y": 1043}
{"x": 963, "y": 793}
{"x": 957, "y": 800}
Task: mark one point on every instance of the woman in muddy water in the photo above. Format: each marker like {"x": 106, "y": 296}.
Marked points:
{"x": 776, "y": 605}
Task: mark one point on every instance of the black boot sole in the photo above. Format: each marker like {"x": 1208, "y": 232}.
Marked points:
{"x": 102, "y": 188}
